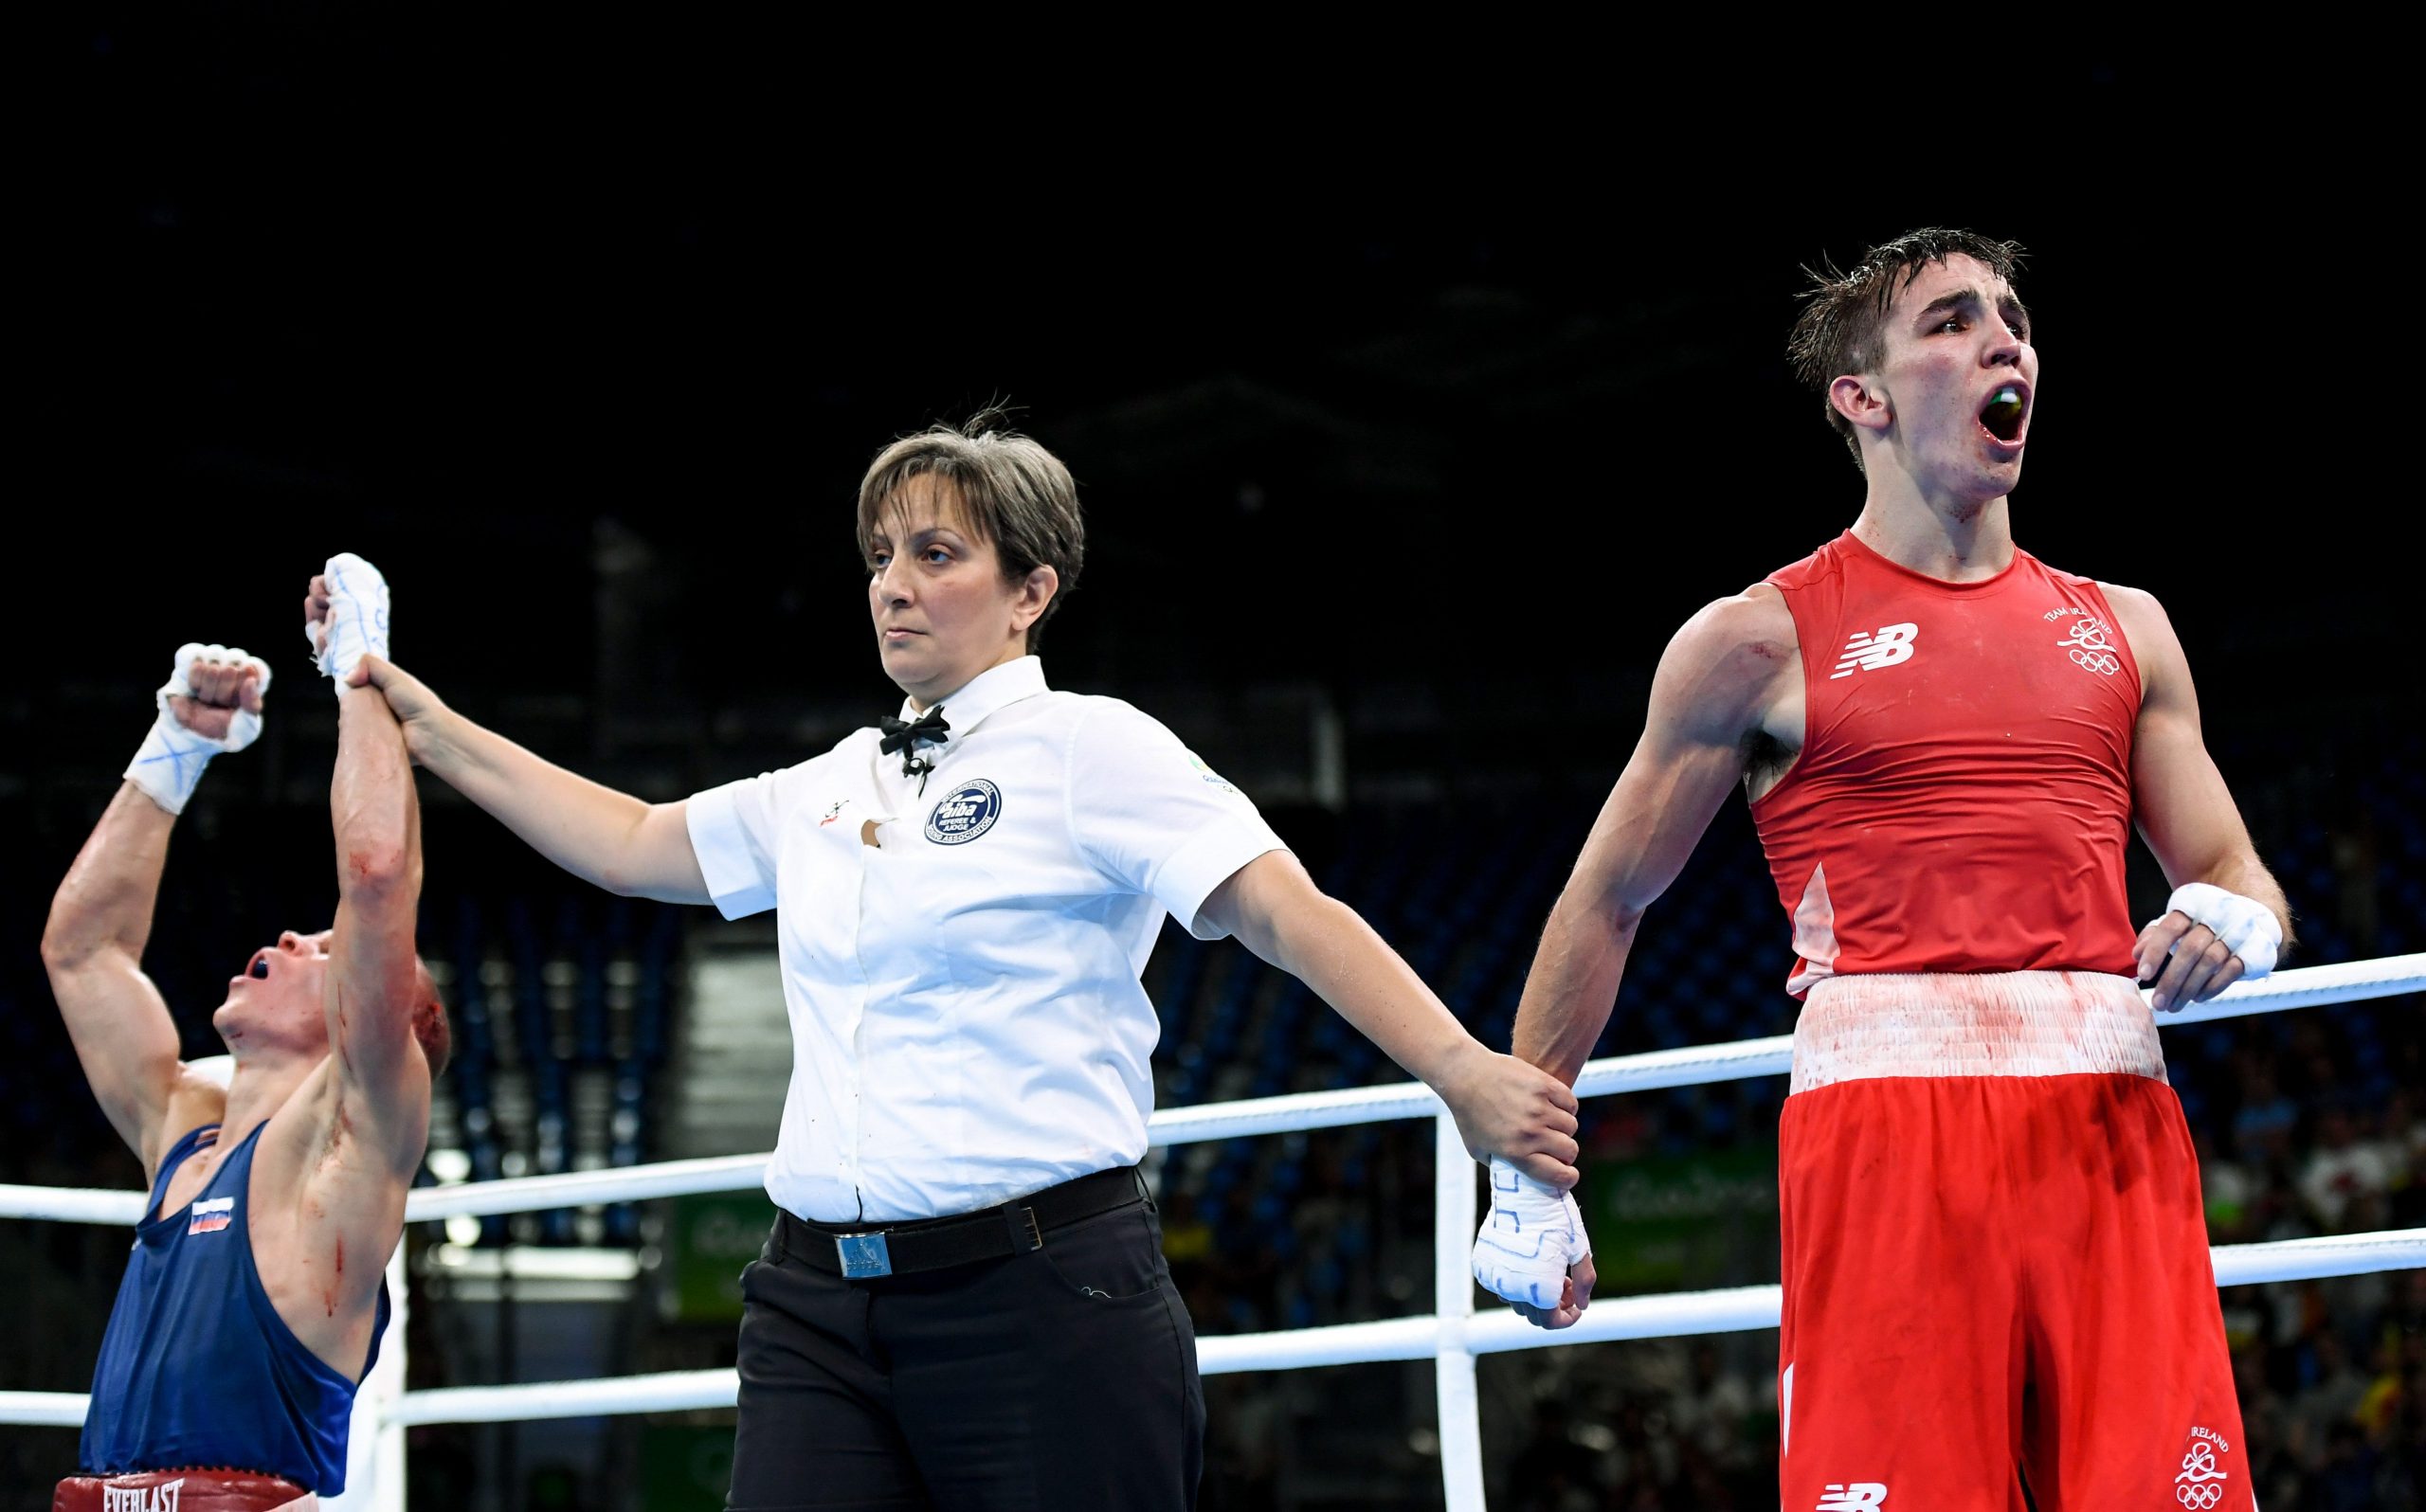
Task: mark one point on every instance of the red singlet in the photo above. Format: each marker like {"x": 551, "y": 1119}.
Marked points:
{"x": 1994, "y": 1258}
{"x": 1963, "y": 799}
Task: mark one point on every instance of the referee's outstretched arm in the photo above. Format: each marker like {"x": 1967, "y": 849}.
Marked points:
{"x": 625, "y": 844}
{"x": 1504, "y": 1108}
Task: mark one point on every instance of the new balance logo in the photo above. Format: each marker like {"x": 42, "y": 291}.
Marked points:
{"x": 213, "y": 1216}
{"x": 161, "y": 1498}
{"x": 1866, "y": 652}
{"x": 1855, "y": 1496}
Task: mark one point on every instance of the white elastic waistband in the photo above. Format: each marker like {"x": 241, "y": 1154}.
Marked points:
{"x": 2005, "y": 1023}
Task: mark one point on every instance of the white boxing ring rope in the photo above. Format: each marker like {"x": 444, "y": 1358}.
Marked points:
{"x": 1452, "y": 1337}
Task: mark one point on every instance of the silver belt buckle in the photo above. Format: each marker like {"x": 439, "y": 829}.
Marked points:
{"x": 863, "y": 1255}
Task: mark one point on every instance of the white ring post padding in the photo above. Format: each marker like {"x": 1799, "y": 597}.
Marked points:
{"x": 1292, "y": 1111}
{"x": 1452, "y": 1337}
{"x": 670, "y": 1391}
{"x": 2300, "y": 987}
{"x": 523, "y": 1194}
{"x": 1694, "y": 1066}
{"x": 1735, "y": 1309}
{"x": 375, "y": 1446}
{"x": 1453, "y": 1291}
{"x": 2308, "y": 987}
{"x": 1363, "y": 1343}
{"x": 2332, "y": 1254}
{"x": 1730, "y": 1310}
{"x": 573, "y": 1189}
{"x": 72, "y": 1204}
{"x": 43, "y": 1409}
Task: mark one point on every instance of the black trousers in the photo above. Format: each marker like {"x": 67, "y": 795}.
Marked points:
{"x": 1064, "y": 1378}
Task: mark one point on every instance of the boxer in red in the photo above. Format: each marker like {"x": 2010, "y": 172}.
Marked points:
{"x": 1996, "y": 1270}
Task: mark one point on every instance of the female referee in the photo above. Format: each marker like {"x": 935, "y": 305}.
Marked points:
{"x": 964, "y": 1303}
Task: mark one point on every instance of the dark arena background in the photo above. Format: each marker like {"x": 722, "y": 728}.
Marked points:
{"x": 1414, "y": 400}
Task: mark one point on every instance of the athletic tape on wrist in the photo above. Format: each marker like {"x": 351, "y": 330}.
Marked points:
{"x": 2248, "y": 928}
{"x": 169, "y": 761}
{"x": 1533, "y": 1233}
{"x": 358, "y": 611}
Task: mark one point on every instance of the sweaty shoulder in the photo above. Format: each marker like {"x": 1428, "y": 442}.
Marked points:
{"x": 1733, "y": 673}
{"x": 2132, "y": 605}
{"x": 1747, "y": 634}
{"x": 2149, "y": 631}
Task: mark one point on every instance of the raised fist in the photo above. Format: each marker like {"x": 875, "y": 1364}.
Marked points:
{"x": 211, "y": 686}
{"x": 345, "y": 614}
{"x": 211, "y": 704}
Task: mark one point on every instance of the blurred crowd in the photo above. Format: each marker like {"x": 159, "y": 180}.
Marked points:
{"x": 2331, "y": 1372}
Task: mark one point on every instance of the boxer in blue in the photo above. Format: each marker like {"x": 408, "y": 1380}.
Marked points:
{"x": 256, "y": 1292}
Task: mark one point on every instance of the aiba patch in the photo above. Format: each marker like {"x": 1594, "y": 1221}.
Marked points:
{"x": 965, "y": 813}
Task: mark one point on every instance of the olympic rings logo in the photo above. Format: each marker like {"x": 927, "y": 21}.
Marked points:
{"x": 2102, "y": 662}
{"x": 2200, "y": 1497}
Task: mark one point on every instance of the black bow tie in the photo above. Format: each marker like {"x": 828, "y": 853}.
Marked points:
{"x": 904, "y": 735}
{"x": 929, "y": 727}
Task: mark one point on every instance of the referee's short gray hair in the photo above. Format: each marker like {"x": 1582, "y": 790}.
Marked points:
{"x": 1012, "y": 493}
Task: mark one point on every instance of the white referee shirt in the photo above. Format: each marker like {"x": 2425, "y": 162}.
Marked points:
{"x": 968, "y": 1024}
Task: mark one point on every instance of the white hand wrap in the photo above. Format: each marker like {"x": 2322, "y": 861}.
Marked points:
{"x": 2248, "y": 928}
{"x": 172, "y": 757}
{"x": 357, "y": 616}
{"x": 1530, "y": 1236}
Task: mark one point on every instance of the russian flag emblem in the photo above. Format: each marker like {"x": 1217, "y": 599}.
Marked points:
{"x": 211, "y": 1216}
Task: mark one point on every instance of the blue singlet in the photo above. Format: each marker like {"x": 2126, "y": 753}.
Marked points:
{"x": 197, "y": 1367}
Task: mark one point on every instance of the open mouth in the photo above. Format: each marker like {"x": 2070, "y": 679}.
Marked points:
{"x": 259, "y": 970}
{"x": 2001, "y": 417}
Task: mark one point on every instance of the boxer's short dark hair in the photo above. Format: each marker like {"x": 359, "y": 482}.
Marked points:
{"x": 1843, "y": 328}
{"x": 1013, "y": 494}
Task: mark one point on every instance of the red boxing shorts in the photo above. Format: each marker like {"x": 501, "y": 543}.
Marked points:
{"x": 181, "y": 1492}
{"x": 1995, "y": 1265}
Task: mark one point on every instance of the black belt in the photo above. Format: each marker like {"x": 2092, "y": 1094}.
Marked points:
{"x": 857, "y": 1253}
